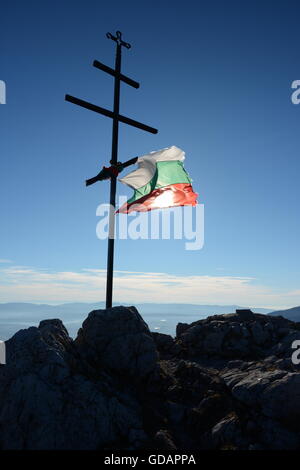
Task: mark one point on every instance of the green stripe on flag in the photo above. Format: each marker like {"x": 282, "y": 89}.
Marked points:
{"x": 167, "y": 172}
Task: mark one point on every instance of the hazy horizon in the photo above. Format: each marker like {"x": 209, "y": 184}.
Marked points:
{"x": 159, "y": 317}
{"x": 138, "y": 304}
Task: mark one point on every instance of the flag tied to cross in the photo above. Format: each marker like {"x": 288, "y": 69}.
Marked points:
{"x": 159, "y": 182}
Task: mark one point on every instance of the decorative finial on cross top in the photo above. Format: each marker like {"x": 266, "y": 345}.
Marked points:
{"x": 118, "y": 39}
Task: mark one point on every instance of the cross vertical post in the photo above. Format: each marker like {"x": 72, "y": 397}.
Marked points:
{"x": 108, "y": 173}
{"x": 113, "y": 180}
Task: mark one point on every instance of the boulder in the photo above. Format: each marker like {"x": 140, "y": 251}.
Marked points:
{"x": 166, "y": 345}
{"x": 46, "y": 404}
{"x": 225, "y": 382}
{"x": 240, "y": 335}
{"x": 118, "y": 340}
{"x": 245, "y": 314}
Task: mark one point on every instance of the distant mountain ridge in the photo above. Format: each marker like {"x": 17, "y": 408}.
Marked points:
{"x": 290, "y": 313}
{"x": 82, "y": 307}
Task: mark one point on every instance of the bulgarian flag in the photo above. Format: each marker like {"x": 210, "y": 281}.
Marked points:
{"x": 160, "y": 181}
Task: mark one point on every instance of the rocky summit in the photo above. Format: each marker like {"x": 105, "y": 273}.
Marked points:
{"x": 226, "y": 382}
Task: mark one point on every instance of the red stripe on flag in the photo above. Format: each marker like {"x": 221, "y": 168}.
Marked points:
{"x": 180, "y": 194}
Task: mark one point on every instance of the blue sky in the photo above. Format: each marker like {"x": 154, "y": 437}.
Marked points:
{"x": 216, "y": 81}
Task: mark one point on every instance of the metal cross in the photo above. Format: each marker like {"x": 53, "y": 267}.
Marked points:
{"x": 108, "y": 172}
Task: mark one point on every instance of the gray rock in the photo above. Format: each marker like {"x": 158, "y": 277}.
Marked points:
{"x": 276, "y": 392}
{"x": 164, "y": 441}
{"x": 226, "y": 431}
{"x": 180, "y": 328}
{"x": 245, "y": 314}
{"x": 176, "y": 412}
{"x": 283, "y": 348}
{"x": 213, "y": 341}
{"x": 260, "y": 335}
{"x": 166, "y": 345}
{"x": 43, "y": 405}
{"x": 274, "y": 436}
{"x": 118, "y": 340}
{"x": 226, "y": 382}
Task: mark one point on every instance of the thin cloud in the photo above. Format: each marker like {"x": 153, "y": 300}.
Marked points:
{"x": 28, "y": 284}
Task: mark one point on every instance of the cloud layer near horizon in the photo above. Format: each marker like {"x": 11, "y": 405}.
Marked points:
{"x": 27, "y": 284}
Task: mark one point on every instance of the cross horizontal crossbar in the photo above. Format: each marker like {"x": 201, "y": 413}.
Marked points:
{"x": 106, "y": 112}
{"x": 112, "y": 72}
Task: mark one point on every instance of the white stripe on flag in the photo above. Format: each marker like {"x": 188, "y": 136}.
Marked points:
{"x": 147, "y": 166}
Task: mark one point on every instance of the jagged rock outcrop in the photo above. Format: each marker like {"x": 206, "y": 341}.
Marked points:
{"x": 240, "y": 335}
{"x": 118, "y": 340}
{"x": 226, "y": 382}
